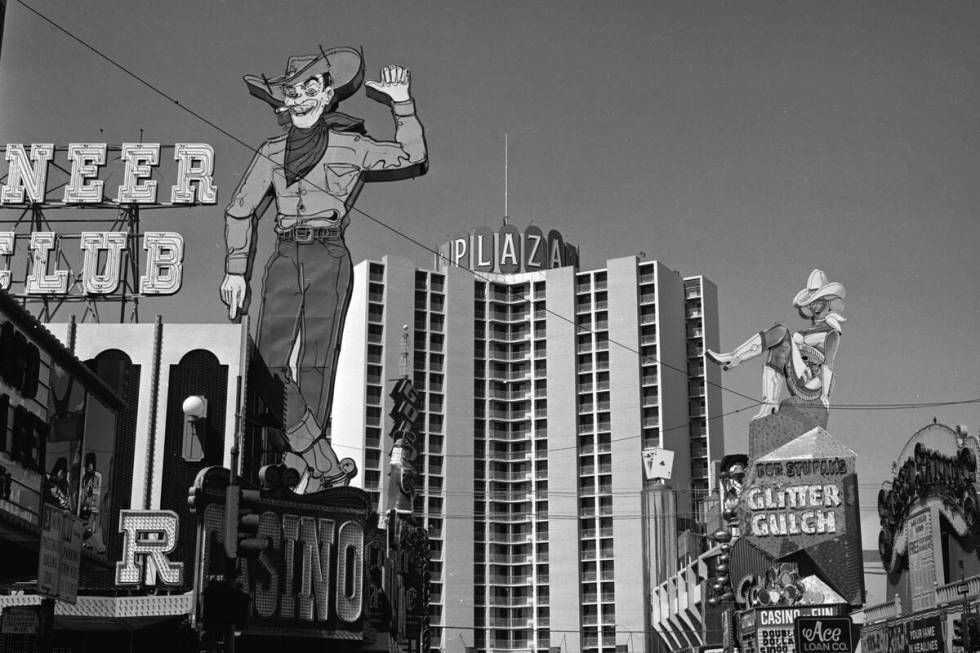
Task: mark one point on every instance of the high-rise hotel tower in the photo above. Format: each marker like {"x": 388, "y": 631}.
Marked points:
{"x": 541, "y": 387}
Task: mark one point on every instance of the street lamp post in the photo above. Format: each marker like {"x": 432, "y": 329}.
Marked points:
{"x": 195, "y": 412}
{"x": 231, "y": 513}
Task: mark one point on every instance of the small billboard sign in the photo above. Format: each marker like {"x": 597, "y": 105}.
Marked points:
{"x": 60, "y": 555}
{"x": 823, "y": 635}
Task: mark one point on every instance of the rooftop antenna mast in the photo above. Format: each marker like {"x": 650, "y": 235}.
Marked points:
{"x": 506, "y": 157}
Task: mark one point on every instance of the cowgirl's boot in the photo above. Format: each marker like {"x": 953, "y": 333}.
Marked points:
{"x": 770, "y": 393}
{"x": 748, "y": 349}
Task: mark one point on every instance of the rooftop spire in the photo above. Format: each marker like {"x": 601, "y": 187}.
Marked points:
{"x": 506, "y": 156}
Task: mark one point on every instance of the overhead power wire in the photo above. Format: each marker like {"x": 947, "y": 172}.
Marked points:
{"x": 378, "y": 221}
{"x": 530, "y": 452}
{"x": 394, "y": 230}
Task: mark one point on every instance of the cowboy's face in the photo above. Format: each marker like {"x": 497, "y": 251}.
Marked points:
{"x": 307, "y": 100}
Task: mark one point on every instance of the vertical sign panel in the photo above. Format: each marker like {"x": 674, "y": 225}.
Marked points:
{"x": 60, "y": 555}
{"x": 922, "y": 539}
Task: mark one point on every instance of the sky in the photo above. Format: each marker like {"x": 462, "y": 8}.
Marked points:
{"x": 746, "y": 141}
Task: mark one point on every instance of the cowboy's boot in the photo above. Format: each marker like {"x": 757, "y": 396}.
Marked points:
{"x": 748, "y": 349}
{"x": 770, "y": 393}
{"x": 301, "y": 437}
{"x": 328, "y": 469}
{"x": 314, "y": 457}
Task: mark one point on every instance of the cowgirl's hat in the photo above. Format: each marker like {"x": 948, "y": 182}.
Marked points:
{"x": 818, "y": 287}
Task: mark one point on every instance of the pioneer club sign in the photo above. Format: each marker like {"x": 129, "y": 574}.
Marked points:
{"x": 27, "y": 174}
{"x": 44, "y": 176}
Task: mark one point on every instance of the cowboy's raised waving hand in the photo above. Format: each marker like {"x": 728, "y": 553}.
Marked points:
{"x": 393, "y": 87}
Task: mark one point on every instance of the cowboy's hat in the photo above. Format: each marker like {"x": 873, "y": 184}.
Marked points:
{"x": 344, "y": 65}
{"x": 817, "y": 287}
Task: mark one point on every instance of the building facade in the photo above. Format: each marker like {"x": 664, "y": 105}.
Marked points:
{"x": 927, "y": 546}
{"x": 540, "y": 389}
{"x": 158, "y": 410}
{"x": 56, "y": 413}
{"x": 145, "y": 460}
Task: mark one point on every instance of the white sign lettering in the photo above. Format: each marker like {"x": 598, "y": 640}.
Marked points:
{"x": 27, "y": 175}
{"x": 148, "y": 536}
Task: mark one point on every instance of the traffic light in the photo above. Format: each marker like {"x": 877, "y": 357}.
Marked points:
{"x": 278, "y": 477}
{"x": 405, "y": 411}
{"x": 972, "y": 632}
{"x": 242, "y": 523}
{"x": 961, "y": 631}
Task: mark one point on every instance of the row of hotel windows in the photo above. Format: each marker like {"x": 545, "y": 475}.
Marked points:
{"x": 373, "y": 460}
{"x": 649, "y": 364}
{"x": 506, "y": 405}
{"x": 427, "y": 371}
{"x": 595, "y": 438}
{"x": 698, "y": 432}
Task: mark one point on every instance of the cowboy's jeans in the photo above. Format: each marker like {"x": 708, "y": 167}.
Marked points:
{"x": 306, "y": 291}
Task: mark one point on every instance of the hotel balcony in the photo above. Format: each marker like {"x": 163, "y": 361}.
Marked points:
{"x": 512, "y": 497}
{"x": 501, "y": 559}
{"x": 511, "y": 395}
{"x": 510, "y": 517}
{"x": 503, "y": 435}
{"x": 510, "y": 476}
{"x": 509, "y": 317}
{"x": 521, "y": 374}
{"x": 650, "y": 401}
{"x": 508, "y": 297}
{"x": 497, "y": 354}
{"x": 519, "y": 580}
{"x": 510, "y": 414}
{"x": 510, "y": 601}
{"x": 511, "y": 623}
{"x": 511, "y": 538}
{"x": 511, "y": 456}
